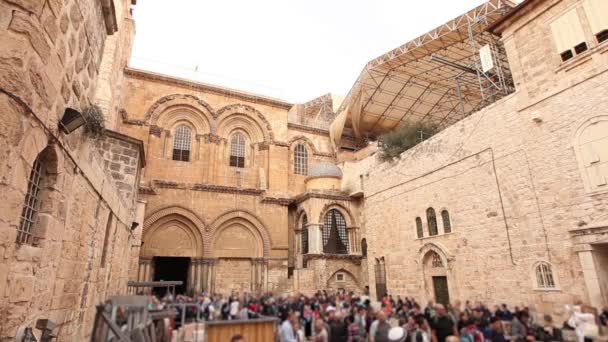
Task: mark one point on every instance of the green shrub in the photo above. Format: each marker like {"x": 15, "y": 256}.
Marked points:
{"x": 404, "y": 137}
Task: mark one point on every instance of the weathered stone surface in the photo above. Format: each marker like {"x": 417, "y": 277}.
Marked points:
{"x": 33, "y": 6}
{"x": 25, "y": 24}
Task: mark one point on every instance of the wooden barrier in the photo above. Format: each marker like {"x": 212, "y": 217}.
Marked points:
{"x": 253, "y": 330}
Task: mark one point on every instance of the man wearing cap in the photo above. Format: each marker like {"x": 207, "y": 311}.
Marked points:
{"x": 397, "y": 334}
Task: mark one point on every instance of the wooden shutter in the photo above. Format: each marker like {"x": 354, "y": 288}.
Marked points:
{"x": 567, "y": 31}
{"x": 597, "y": 14}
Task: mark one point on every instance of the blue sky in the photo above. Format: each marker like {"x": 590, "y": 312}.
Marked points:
{"x": 291, "y": 49}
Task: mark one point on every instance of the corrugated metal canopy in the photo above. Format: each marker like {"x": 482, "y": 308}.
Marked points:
{"x": 406, "y": 85}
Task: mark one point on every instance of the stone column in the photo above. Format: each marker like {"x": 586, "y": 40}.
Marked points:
{"x": 315, "y": 238}
{"x": 353, "y": 240}
{"x": 592, "y": 282}
{"x": 208, "y": 275}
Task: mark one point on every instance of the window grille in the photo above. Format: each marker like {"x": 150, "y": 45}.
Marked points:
{"x": 431, "y": 219}
{"x": 335, "y": 236}
{"x": 29, "y": 213}
{"x": 447, "y": 225}
{"x": 237, "y": 151}
{"x": 304, "y": 235}
{"x": 300, "y": 161}
{"x": 419, "y": 230}
{"x": 544, "y": 276}
{"x": 181, "y": 143}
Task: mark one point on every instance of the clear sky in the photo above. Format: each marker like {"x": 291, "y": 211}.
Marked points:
{"x": 295, "y": 50}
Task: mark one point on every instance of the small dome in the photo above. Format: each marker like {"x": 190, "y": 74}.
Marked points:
{"x": 325, "y": 169}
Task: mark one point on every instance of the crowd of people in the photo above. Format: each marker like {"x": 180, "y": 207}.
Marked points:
{"x": 348, "y": 318}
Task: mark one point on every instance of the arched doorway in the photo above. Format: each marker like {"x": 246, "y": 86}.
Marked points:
{"x": 171, "y": 248}
{"x": 436, "y": 277}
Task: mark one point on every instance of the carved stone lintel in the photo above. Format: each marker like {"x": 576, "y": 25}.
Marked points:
{"x": 155, "y": 130}
{"x": 212, "y": 138}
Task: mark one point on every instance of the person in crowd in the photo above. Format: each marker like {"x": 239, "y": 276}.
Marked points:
{"x": 583, "y": 321}
{"x": 548, "y": 331}
{"x": 520, "y": 327}
{"x": 471, "y": 333}
{"x": 337, "y": 328}
{"x": 320, "y": 331}
{"x": 442, "y": 325}
{"x": 286, "y": 331}
{"x": 429, "y": 311}
{"x": 422, "y": 333}
{"x": 463, "y": 320}
{"x": 378, "y": 332}
{"x": 494, "y": 331}
{"x": 397, "y": 334}
{"x": 354, "y": 330}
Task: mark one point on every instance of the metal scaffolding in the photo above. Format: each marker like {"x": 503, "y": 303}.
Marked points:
{"x": 437, "y": 77}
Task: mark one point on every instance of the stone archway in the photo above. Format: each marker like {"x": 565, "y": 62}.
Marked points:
{"x": 435, "y": 263}
{"x": 344, "y": 280}
{"x": 238, "y": 247}
{"x": 172, "y": 238}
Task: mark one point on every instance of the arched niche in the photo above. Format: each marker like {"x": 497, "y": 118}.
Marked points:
{"x": 244, "y": 219}
{"x": 168, "y": 107}
{"x": 237, "y": 239}
{"x": 246, "y": 118}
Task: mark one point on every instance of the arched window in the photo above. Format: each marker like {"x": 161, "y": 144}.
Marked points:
{"x": 431, "y": 220}
{"x": 40, "y": 180}
{"x": 380, "y": 272}
{"x": 364, "y": 247}
{"x": 544, "y": 276}
{"x": 591, "y": 143}
{"x": 237, "y": 150}
{"x": 304, "y": 235}
{"x": 419, "y": 230}
{"x": 447, "y": 225}
{"x": 335, "y": 238}
{"x": 181, "y": 143}
{"x": 300, "y": 160}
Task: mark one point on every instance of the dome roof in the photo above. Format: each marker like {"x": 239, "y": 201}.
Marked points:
{"x": 325, "y": 169}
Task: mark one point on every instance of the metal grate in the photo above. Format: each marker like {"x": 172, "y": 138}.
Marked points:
{"x": 447, "y": 225}
{"x": 431, "y": 219}
{"x": 341, "y": 228}
{"x": 29, "y": 214}
{"x": 181, "y": 143}
{"x": 544, "y": 276}
{"x": 304, "y": 235}
{"x": 237, "y": 151}
{"x": 300, "y": 162}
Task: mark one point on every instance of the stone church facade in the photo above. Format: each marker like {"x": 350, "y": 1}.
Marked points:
{"x": 231, "y": 181}
{"x": 232, "y": 191}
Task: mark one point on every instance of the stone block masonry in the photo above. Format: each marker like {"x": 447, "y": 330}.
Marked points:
{"x": 80, "y": 249}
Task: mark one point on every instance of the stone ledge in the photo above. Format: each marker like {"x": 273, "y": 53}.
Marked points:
{"x": 337, "y": 195}
{"x": 355, "y": 258}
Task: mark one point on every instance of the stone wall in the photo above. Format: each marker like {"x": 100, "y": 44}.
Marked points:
{"x": 122, "y": 158}
{"x": 50, "y": 60}
{"x": 513, "y": 189}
